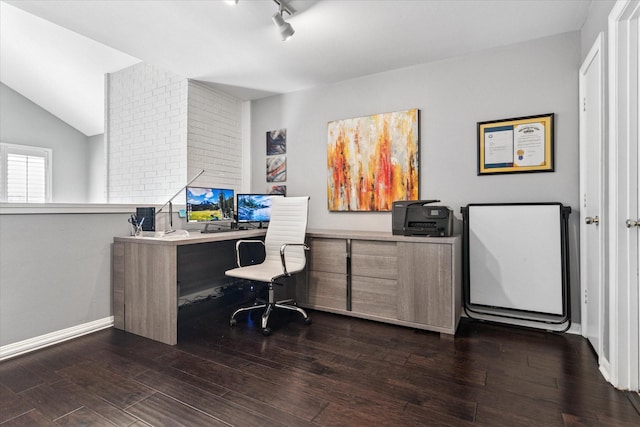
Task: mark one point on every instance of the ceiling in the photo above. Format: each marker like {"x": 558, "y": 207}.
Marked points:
{"x": 237, "y": 48}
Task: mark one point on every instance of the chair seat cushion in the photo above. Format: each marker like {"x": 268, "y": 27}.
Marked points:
{"x": 265, "y": 272}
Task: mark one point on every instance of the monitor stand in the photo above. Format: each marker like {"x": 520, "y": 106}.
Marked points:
{"x": 216, "y": 230}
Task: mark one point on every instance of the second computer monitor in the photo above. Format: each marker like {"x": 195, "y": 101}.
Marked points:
{"x": 254, "y": 207}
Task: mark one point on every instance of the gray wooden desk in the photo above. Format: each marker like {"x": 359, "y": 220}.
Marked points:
{"x": 150, "y": 273}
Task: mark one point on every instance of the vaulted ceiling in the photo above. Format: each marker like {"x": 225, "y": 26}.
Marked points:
{"x": 56, "y": 52}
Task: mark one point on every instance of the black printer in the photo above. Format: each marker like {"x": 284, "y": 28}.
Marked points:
{"x": 420, "y": 218}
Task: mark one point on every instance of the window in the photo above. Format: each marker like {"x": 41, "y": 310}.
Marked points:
{"x": 25, "y": 174}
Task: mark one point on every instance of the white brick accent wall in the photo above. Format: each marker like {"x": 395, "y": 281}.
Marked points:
{"x": 214, "y": 141}
{"x": 146, "y": 122}
{"x": 162, "y": 129}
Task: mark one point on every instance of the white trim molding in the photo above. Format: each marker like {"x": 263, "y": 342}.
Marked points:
{"x": 31, "y": 344}
{"x": 624, "y": 55}
{"x": 66, "y": 208}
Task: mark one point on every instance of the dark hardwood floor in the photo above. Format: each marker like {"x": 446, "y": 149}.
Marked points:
{"x": 337, "y": 371}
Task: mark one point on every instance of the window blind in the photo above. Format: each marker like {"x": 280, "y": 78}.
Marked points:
{"x": 25, "y": 174}
{"x": 26, "y": 179}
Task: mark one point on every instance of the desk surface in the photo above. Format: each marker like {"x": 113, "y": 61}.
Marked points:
{"x": 179, "y": 238}
{"x": 379, "y": 235}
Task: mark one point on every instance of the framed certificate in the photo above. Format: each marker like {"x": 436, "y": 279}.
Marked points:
{"x": 521, "y": 144}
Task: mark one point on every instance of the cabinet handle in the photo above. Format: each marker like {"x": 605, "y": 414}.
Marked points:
{"x": 632, "y": 223}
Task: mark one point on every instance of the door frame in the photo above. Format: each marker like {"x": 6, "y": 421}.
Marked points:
{"x": 624, "y": 323}
{"x": 596, "y": 51}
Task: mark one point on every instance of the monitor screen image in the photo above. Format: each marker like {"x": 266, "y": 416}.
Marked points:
{"x": 255, "y": 207}
{"x": 209, "y": 204}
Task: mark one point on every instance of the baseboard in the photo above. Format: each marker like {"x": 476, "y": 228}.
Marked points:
{"x": 605, "y": 369}
{"x": 31, "y": 344}
{"x": 575, "y": 329}
{"x": 634, "y": 397}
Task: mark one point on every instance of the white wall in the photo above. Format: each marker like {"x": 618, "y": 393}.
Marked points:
{"x": 96, "y": 169}
{"x": 595, "y": 23}
{"x": 531, "y": 78}
{"x": 55, "y": 268}
{"x": 146, "y": 134}
{"x": 214, "y": 141}
{"x": 162, "y": 129}
{"x": 25, "y": 123}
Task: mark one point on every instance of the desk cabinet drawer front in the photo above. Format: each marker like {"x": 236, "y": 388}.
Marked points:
{"x": 328, "y": 255}
{"x": 374, "y": 259}
{"x": 327, "y": 290}
{"x": 374, "y": 296}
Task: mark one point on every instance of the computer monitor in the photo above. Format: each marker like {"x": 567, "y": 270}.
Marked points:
{"x": 208, "y": 205}
{"x": 255, "y": 207}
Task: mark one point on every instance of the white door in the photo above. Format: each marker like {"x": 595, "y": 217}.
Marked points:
{"x": 591, "y": 193}
{"x": 623, "y": 229}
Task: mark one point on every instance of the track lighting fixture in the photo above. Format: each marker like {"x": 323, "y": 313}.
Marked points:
{"x": 285, "y": 29}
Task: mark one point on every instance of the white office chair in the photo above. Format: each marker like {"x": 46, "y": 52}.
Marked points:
{"x": 284, "y": 256}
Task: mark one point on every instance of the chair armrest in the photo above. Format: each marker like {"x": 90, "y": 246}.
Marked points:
{"x": 282, "y": 257}
{"x": 241, "y": 242}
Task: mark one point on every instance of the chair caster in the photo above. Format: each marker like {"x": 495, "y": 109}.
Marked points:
{"x": 307, "y": 321}
{"x": 233, "y": 322}
{"x": 266, "y": 332}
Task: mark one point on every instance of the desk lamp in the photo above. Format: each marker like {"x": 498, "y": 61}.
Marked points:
{"x": 171, "y": 230}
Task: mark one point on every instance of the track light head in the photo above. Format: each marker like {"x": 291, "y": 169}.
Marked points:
{"x": 285, "y": 29}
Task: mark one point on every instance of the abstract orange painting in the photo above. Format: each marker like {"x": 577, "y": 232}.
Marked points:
{"x": 372, "y": 161}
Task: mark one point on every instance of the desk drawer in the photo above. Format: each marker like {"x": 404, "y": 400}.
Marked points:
{"x": 378, "y": 297}
{"x": 328, "y": 290}
{"x": 328, "y": 255}
{"x": 374, "y": 259}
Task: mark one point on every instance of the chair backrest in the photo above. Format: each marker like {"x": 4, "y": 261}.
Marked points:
{"x": 288, "y": 224}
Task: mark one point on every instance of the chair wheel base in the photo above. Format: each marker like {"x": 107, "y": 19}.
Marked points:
{"x": 268, "y": 307}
